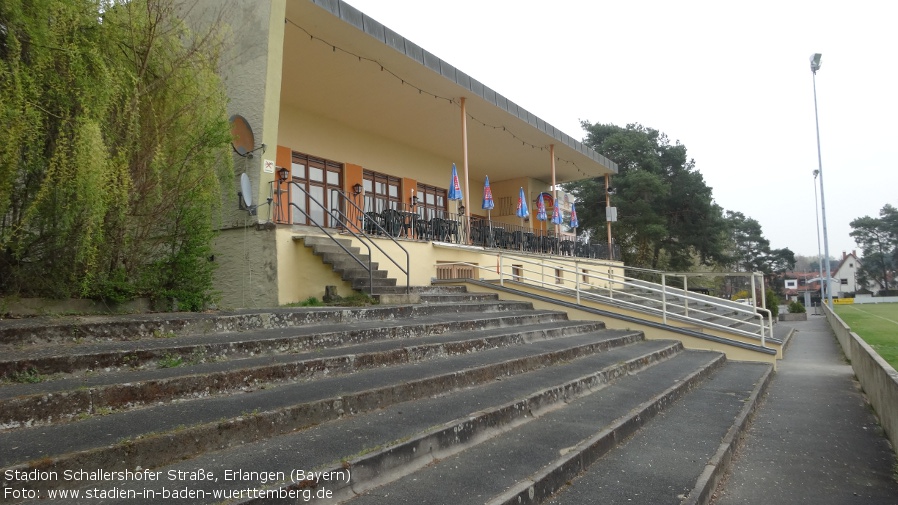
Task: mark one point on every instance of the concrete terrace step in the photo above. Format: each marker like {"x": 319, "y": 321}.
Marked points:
{"x": 461, "y": 399}
{"x": 689, "y": 442}
{"x": 74, "y": 397}
{"x": 381, "y": 446}
{"x": 235, "y": 345}
{"x": 377, "y": 282}
{"x": 160, "y": 435}
{"x": 359, "y": 273}
{"x": 362, "y": 440}
{"x": 77, "y": 330}
{"x": 504, "y": 468}
{"x": 457, "y": 297}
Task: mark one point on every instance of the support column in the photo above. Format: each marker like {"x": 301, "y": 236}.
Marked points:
{"x": 552, "y": 154}
{"x": 466, "y": 222}
{"x": 554, "y": 190}
{"x": 608, "y": 204}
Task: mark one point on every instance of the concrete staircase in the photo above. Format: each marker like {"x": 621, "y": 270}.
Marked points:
{"x": 351, "y": 269}
{"x": 463, "y": 398}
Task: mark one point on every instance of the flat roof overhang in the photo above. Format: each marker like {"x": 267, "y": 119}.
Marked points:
{"x": 342, "y": 65}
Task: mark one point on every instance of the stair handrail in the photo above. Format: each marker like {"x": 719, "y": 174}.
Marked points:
{"x": 612, "y": 279}
{"x": 687, "y": 295}
{"x": 334, "y": 239}
{"x": 407, "y": 268}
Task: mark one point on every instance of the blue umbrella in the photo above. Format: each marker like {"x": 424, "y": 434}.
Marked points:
{"x": 541, "y": 208}
{"x": 522, "y": 210}
{"x": 488, "y": 203}
{"x": 454, "y": 186}
{"x": 574, "y": 221}
{"x": 556, "y": 213}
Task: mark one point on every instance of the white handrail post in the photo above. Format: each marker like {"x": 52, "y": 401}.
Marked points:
{"x": 686, "y": 293}
{"x": 610, "y": 283}
{"x": 577, "y": 279}
{"x": 764, "y": 304}
{"x": 664, "y": 298}
{"x": 542, "y": 273}
{"x": 754, "y": 297}
{"x": 501, "y": 271}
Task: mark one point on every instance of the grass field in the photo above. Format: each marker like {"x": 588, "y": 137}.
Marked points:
{"x": 877, "y": 324}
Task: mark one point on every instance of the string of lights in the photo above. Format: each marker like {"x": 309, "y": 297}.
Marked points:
{"x": 423, "y": 91}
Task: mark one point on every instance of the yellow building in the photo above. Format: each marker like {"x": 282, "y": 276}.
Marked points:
{"x": 351, "y": 113}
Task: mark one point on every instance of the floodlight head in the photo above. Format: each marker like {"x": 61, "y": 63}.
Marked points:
{"x": 816, "y": 173}
{"x": 815, "y": 62}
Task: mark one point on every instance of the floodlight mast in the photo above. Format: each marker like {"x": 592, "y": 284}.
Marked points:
{"x": 815, "y": 66}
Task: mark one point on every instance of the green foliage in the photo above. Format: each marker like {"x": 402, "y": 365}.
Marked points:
{"x": 170, "y": 361}
{"x": 114, "y": 147}
{"x": 772, "y": 301}
{"x": 27, "y": 376}
{"x": 667, "y": 216}
{"x": 311, "y": 302}
{"x": 878, "y": 239}
{"x": 796, "y": 307}
{"x": 741, "y": 294}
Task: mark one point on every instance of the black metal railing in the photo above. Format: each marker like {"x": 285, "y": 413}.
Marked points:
{"x": 322, "y": 227}
{"x": 369, "y": 226}
{"x": 372, "y": 217}
{"x": 357, "y": 224}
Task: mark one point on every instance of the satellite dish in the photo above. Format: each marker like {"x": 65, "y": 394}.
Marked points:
{"x": 242, "y": 139}
{"x": 246, "y": 190}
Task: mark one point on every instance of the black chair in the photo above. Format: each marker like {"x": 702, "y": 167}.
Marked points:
{"x": 516, "y": 240}
{"x": 531, "y": 242}
{"x": 478, "y": 234}
{"x": 393, "y": 222}
{"x": 423, "y": 230}
{"x": 372, "y": 220}
{"x": 452, "y": 231}
{"x": 438, "y": 229}
{"x": 552, "y": 245}
{"x": 567, "y": 247}
{"x": 500, "y": 238}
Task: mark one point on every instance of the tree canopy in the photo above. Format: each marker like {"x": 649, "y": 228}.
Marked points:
{"x": 667, "y": 217}
{"x": 112, "y": 151}
{"x": 878, "y": 239}
{"x": 666, "y": 214}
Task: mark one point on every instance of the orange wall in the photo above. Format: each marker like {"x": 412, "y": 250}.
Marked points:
{"x": 283, "y": 159}
{"x": 352, "y": 175}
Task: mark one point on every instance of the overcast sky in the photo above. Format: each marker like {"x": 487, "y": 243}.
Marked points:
{"x": 731, "y": 81}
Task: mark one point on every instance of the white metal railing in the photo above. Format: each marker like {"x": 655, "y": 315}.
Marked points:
{"x": 609, "y": 286}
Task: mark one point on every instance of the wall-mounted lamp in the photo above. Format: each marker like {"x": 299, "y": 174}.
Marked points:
{"x": 461, "y": 210}
{"x": 414, "y": 201}
{"x": 357, "y": 189}
{"x": 283, "y": 173}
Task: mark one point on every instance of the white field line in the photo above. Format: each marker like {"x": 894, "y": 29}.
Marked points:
{"x": 872, "y": 314}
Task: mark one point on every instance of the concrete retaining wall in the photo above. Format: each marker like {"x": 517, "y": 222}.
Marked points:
{"x": 878, "y": 379}
{"x": 875, "y": 299}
